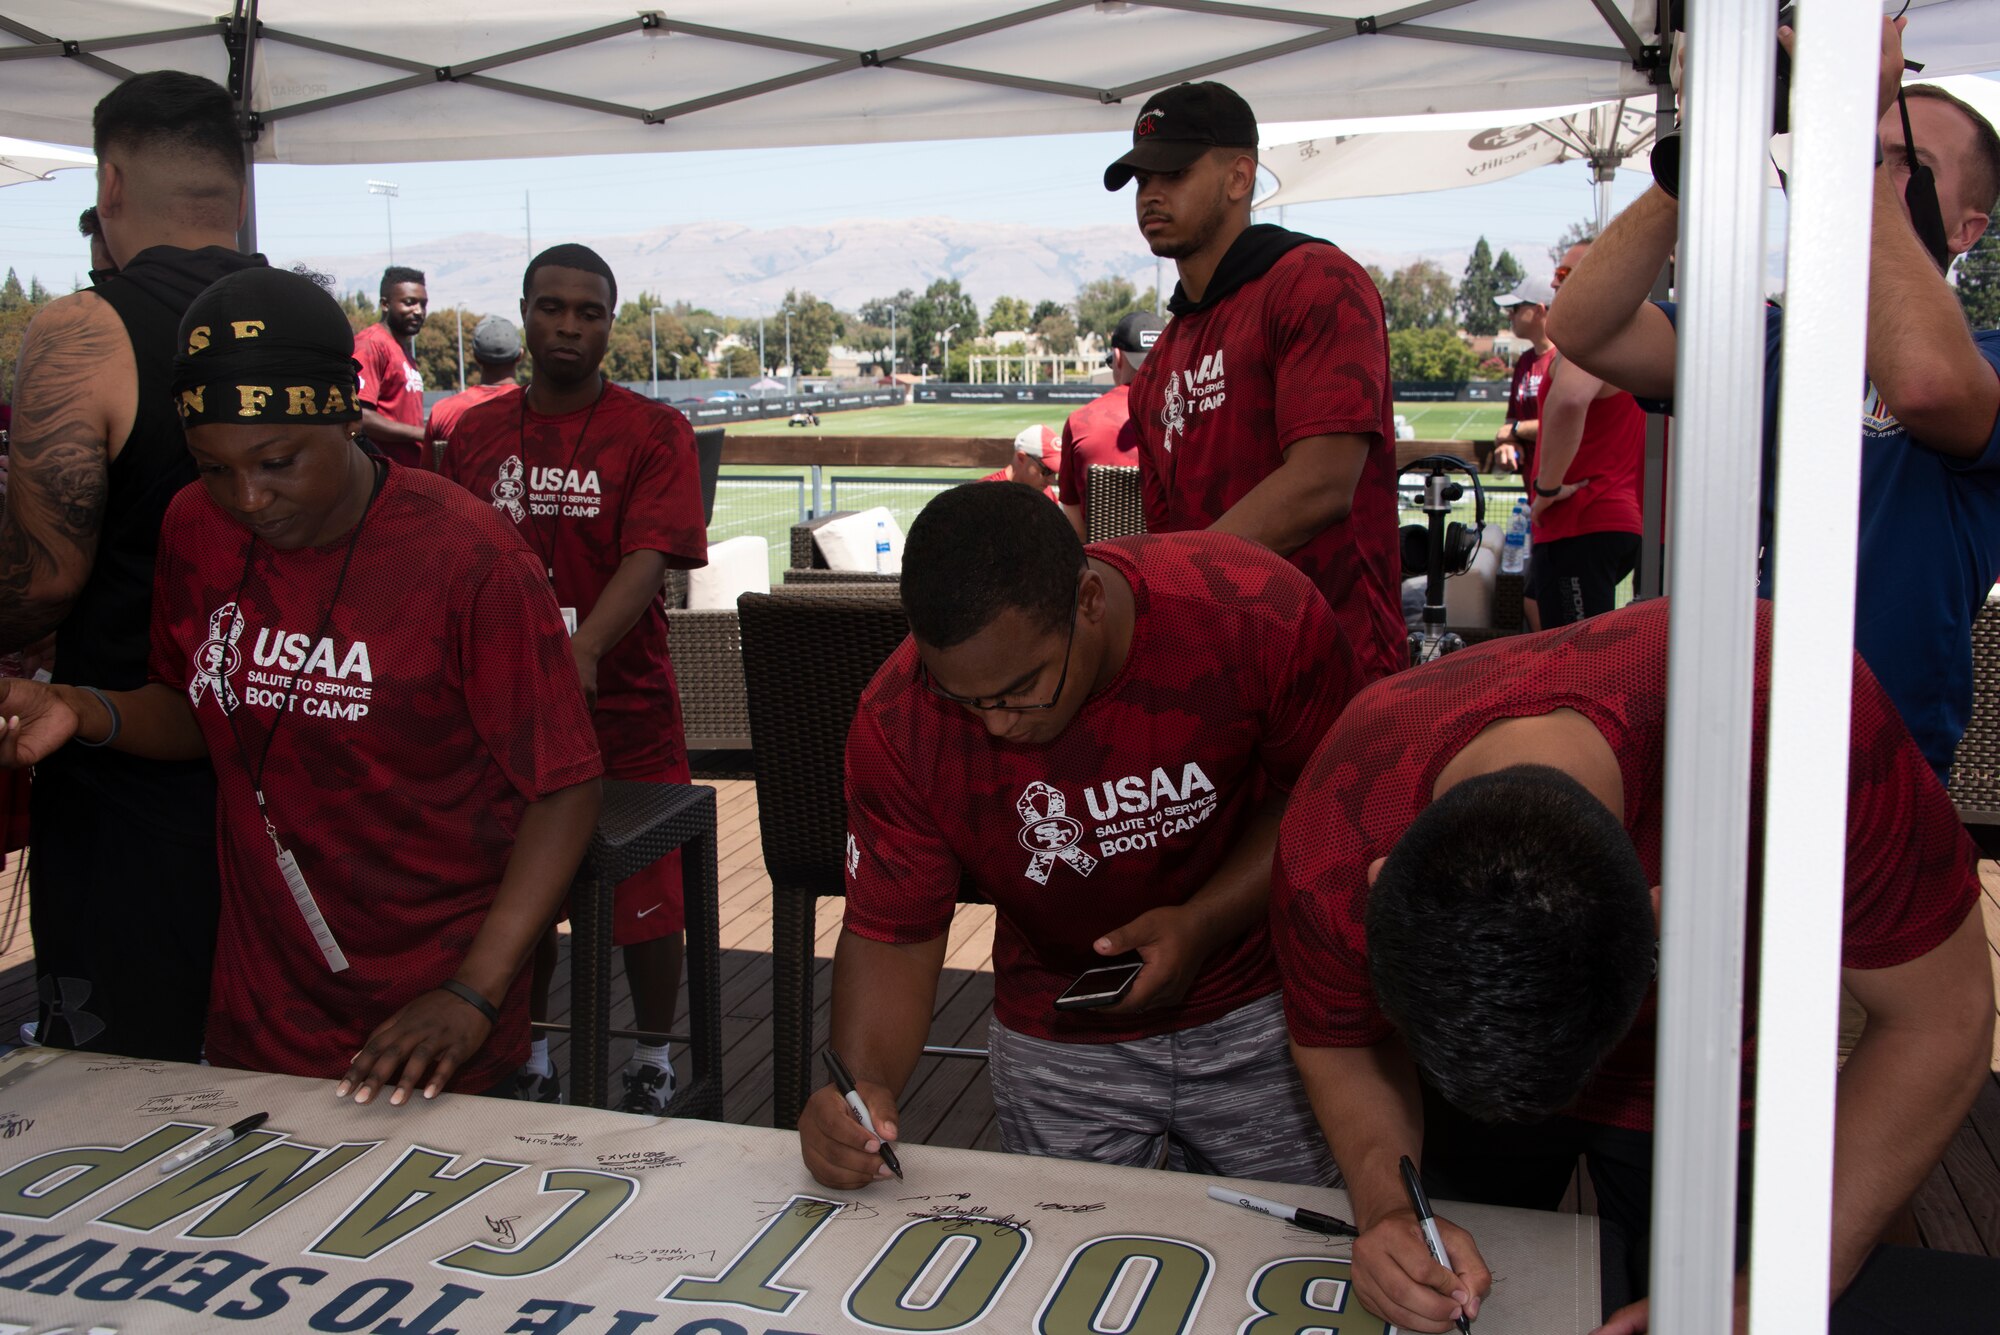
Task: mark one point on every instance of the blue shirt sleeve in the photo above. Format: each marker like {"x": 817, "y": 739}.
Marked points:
{"x": 1988, "y": 343}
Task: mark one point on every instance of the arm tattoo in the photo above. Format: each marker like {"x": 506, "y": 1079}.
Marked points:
{"x": 58, "y": 469}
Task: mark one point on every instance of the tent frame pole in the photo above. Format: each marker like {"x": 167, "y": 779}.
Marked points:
{"x": 1828, "y": 229}
{"x": 1719, "y": 396}
{"x": 240, "y": 36}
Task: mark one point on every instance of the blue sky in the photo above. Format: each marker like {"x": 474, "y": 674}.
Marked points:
{"x": 1052, "y": 181}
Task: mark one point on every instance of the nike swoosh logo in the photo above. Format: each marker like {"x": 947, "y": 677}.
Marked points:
{"x": 643, "y": 912}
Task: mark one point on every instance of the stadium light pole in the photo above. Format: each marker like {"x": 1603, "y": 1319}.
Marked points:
{"x": 945, "y": 373}
{"x": 388, "y": 190}
{"x": 653, "y": 318}
{"x": 892, "y": 342}
{"x": 791, "y": 372}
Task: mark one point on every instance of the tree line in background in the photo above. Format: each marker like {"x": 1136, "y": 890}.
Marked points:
{"x": 1424, "y": 307}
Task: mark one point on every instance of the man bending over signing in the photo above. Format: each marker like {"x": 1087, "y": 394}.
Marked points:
{"x": 1466, "y": 907}
{"x": 1102, "y": 739}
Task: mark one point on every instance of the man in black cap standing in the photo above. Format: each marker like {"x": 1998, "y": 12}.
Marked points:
{"x": 126, "y": 884}
{"x": 1101, "y": 431}
{"x": 1264, "y": 408}
{"x": 496, "y": 346}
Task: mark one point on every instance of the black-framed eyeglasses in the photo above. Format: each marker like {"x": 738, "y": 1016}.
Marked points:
{"x": 1000, "y": 701}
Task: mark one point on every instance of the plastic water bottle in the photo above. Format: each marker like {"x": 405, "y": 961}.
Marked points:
{"x": 881, "y": 546}
{"x": 1514, "y": 550}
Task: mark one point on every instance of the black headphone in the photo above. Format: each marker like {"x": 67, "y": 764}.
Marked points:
{"x": 1461, "y": 544}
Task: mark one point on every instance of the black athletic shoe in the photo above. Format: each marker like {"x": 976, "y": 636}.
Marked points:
{"x": 648, "y": 1090}
{"x": 531, "y": 1087}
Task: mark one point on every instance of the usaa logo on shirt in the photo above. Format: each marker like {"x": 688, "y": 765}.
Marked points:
{"x": 1876, "y": 419}
{"x": 1196, "y": 389}
{"x": 1131, "y": 814}
{"x": 345, "y": 680}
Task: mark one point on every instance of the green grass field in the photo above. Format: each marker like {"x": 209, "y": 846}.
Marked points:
{"x": 1433, "y": 421}
{"x": 767, "y": 501}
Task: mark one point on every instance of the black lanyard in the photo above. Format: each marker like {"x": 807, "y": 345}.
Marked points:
{"x": 548, "y": 553}
{"x": 292, "y": 686}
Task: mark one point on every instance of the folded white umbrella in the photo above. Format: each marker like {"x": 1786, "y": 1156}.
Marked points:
{"x": 24, "y": 160}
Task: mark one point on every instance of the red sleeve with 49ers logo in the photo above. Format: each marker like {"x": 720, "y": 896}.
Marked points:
{"x": 404, "y": 743}
{"x": 1299, "y": 351}
{"x": 1235, "y": 671}
{"x": 586, "y": 490}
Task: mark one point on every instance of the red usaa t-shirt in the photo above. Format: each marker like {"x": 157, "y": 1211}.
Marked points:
{"x": 393, "y": 387}
{"x": 1911, "y": 872}
{"x": 445, "y": 414}
{"x": 1235, "y": 671}
{"x": 586, "y": 492}
{"x": 1612, "y": 454}
{"x": 1299, "y": 351}
{"x": 1098, "y": 433}
{"x": 418, "y": 731}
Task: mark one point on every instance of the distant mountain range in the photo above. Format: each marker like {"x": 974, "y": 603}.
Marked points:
{"x": 731, "y": 268}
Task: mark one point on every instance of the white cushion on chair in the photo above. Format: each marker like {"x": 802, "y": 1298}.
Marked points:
{"x": 849, "y": 544}
{"x": 737, "y": 565}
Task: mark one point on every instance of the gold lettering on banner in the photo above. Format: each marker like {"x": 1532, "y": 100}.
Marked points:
{"x": 247, "y": 328}
{"x": 254, "y": 397}
{"x": 751, "y": 1280}
{"x": 197, "y": 338}
{"x": 600, "y": 1198}
{"x": 302, "y": 400}
{"x": 191, "y": 400}
{"x": 101, "y": 1165}
{"x": 336, "y": 402}
{"x": 249, "y": 1181}
{"x": 1136, "y": 1285}
{"x": 1294, "y": 1296}
{"x": 938, "y": 1275}
{"x": 414, "y": 1193}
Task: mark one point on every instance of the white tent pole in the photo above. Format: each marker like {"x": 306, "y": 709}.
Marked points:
{"x": 1805, "y": 834}
{"x": 1719, "y": 389}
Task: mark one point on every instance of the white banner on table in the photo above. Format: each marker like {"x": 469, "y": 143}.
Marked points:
{"x": 480, "y": 1215}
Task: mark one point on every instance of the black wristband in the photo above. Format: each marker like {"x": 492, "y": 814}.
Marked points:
{"x": 471, "y": 998}
{"x": 1540, "y": 490}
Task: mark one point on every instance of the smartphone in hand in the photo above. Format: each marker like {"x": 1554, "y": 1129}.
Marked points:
{"x": 1105, "y": 986}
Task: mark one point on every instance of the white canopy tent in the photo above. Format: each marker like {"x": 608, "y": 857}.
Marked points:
{"x": 386, "y": 80}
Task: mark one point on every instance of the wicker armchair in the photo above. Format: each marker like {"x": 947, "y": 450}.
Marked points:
{"x": 1975, "y": 769}
{"x": 806, "y": 659}
{"x": 707, "y": 655}
{"x": 1117, "y": 502}
{"x": 802, "y": 580}
{"x": 805, "y": 555}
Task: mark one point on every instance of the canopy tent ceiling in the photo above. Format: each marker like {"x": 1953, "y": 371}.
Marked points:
{"x": 387, "y": 80}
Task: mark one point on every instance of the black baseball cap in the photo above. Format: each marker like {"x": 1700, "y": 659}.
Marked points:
{"x": 1179, "y": 125}
{"x": 1136, "y": 334}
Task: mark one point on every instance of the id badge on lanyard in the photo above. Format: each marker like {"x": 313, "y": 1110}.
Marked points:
{"x": 569, "y": 619}
{"x": 302, "y": 895}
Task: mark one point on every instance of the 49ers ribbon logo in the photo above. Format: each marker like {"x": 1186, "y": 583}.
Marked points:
{"x": 1050, "y": 833}
{"x": 217, "y": 658}
{"x": 508, "y": 489}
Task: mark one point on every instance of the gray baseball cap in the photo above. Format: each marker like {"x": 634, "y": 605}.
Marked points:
{"x": 496, "y": 340}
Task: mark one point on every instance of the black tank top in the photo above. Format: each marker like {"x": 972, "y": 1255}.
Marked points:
{"x": 106, "y": 638}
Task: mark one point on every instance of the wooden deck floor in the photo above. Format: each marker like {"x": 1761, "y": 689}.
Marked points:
{"x": 949, "y": 1101}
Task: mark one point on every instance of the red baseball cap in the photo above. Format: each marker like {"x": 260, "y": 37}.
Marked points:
{"x": 1042, "y": 445}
